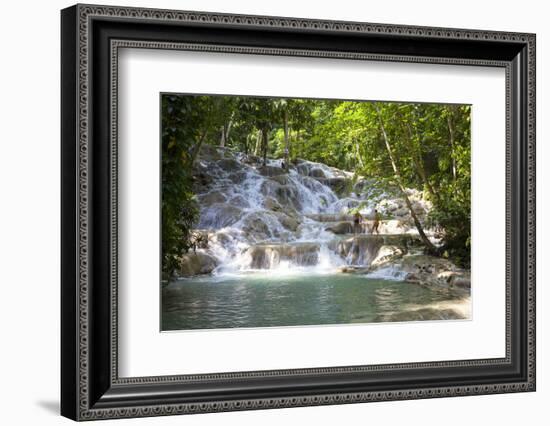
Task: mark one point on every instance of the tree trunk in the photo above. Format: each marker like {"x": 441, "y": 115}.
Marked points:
{"x": 197, "y": 149}
{"x": 228, "y": 128}
{"x": 419, "y": 164}
{"x": 450, "y": 125}
{"x": 358, "y": 154}
{"x": 258, "y": 146}
{"x": 287, "y": 141}
{"x": 431, "y": 248}
{"x": 264, "y": 145}
{"x": 225, "y": 132}
{"x": 222, "y": 138}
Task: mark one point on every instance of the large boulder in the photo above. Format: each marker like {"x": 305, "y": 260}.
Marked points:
{"x": 198, "y": 263}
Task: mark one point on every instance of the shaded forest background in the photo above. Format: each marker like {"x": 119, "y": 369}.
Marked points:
{"x": 401, "y": 145}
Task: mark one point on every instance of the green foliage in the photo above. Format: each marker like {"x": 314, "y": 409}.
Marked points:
{"x": 186, "y": 122}
{"x": 429, "y": 146}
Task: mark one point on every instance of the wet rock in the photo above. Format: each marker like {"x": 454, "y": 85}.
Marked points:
{"x": 387, "y": 254}
{"x": 386, "y": 227}
{"x": 340, "y": 185}
{"x": 302, "y": 167}
{"x": 239, "y": 201}
{"x": 255, "y": 226}
{"x": 330, "y": 217}
{"x": 271, "y": 171}
{"x": 429, "y": 271}
{"x": 358, "y": 250}
{"x": 341, "y": 228}
{"x": 224, "y": 238}
{"x": 252, "y": 159}
{"x": 196, "y": 264}
{"x": 460, "y": 279}
{"x": 281, "y": 179}
{"x": 202, "y": 181}
{"x": 317, "y": 172}
{"x": 286, "y": 195}
{"x": 229, "y": 165}
{"x": 272, "y": 204}
{"x": 422, "y": 314}
{"x": 238, "y": 177}
{"x": 264, "y": 224}
{"x": 212, "y": 198}
{"x": 287, "y": 221}
{"x": 219, "y": 215}
{"x": 269, "y": 187}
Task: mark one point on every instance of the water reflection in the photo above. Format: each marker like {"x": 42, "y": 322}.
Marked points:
{"x": 258, "y": 301}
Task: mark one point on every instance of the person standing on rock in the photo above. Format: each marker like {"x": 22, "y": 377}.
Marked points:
{"x": 357, "y": 220}
{"x": 376, "y": 224}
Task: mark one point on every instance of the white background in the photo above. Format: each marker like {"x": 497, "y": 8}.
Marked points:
{"x": 140, "y": 343}
{"x": 29, "y": 213}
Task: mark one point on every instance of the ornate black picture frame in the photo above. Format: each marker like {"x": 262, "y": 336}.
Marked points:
{"x": 91, "y": 36}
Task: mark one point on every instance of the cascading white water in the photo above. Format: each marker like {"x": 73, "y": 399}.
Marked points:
{"x": 281, "y": 219}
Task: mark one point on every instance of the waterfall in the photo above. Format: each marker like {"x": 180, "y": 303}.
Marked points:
{"x": 284, "y": 219}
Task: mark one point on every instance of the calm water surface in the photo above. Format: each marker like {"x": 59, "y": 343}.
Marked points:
{"x": 261, "y": 300}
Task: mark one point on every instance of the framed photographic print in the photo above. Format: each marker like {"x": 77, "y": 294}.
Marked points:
{"x": 263, "y": 212}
